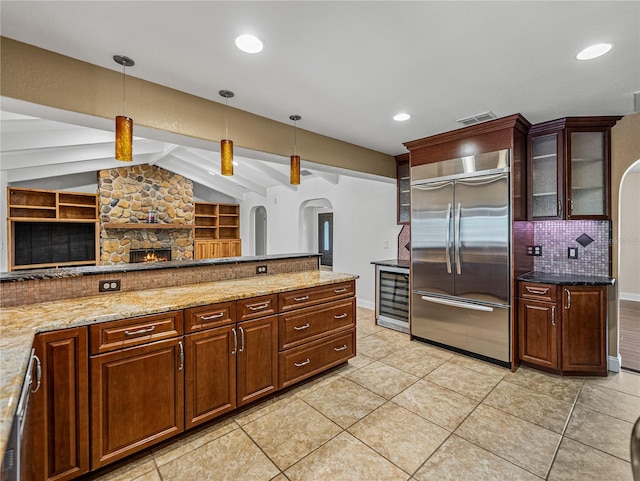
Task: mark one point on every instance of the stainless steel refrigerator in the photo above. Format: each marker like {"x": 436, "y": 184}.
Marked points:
{"x": 460, "y": 252}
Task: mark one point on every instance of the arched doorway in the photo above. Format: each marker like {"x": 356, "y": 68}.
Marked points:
{"x": 310, "y": 213}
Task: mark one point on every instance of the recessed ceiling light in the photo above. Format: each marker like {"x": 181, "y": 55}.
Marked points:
{"x": 594, "y": 51}
{"x": 249, "y": 43}
{"x": 401, "y": 117}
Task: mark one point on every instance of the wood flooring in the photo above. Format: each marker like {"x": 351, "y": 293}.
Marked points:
{"x": 630, "y": 334}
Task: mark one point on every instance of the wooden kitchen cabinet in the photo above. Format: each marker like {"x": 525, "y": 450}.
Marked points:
{"x": 569, "y": 168}
{"x": 60, "y": 406}
{"x": 217, "y": 230}
{"x": 403, "y": 187}
{"x": 137, "y": 393}
{"x": 563, "y": 329}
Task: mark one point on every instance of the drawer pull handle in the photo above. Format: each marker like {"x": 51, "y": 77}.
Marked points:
{"x": 340, "y": 291}
{"x": 301, "y": 328}
{"x": 534, "y": 290}
{"x": 213, "y": 316}
{"x": 260, "y": 307}
{"x": 341, "y": 316}
{"x": 38, "y": 373}
{"x": 181, "y": 356}
{"x": 141, "y": 331}
{"x": 303, "y": 363}
{"x": 303, "y": 298}
{"x": 553, "y": 315}
{"x": 338, "y": 349}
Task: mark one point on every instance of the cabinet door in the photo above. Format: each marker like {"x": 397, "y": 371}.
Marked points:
{"x": 546, "y": 177}
{"x": 584, "y": 324}
{"x": 587, "y": 175}
{"x": 59, "y": 407}
{"x": 137, "y": 399}
{"x": 404, "y": 189}
{"x": 213, "y": 249}
{"x": 257, "y": 358}
{"x": 235, "y": 248}
{"x": 201, "y": 249}
{"x": 537, "y": 333}
{"x": 210, "y": 382}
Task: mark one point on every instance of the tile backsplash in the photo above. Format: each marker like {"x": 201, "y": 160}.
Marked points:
{"x": 556, "y": 237}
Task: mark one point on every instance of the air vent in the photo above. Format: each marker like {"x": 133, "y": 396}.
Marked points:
{"x": 478, "y": 118}
{"x": 305, "y": 172}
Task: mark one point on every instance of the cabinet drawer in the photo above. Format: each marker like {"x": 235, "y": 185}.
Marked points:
{"x": 542, "y": 292}
{"x": 207, "y": 317}
{"x": 113, "y": 335}
{"x": 309, "y": 359}
{"x": 257, "y": 307}
{"x": 308, "y": 324}
{"x": 315, "y": 295}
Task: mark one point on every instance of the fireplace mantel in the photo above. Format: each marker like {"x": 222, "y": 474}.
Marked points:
{"x": 142, "y": 225}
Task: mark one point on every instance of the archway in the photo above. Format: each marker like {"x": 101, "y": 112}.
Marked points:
{"x": 258, "y": 216}
{"x": 308, "y": 222}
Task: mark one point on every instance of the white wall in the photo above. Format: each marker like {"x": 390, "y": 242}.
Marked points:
{"x": 364, "y": 218}
{"x": 629, "y": 248}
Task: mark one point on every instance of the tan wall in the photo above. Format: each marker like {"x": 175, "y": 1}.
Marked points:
{"x": 625, "y": 150}
{"x": 42, "y": 77}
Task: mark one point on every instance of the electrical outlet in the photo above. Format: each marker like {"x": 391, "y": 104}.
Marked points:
{"x": 386, "y": 244}
{"x": 537, "y": 251}
{"x": 572, "y": 252}
{"x": 111, "y": 285}
{"x": 261, "y": 269}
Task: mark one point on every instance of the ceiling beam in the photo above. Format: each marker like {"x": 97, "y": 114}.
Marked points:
{"x": 53, "y": 138}
{"x": 165, "y": 152}
{"x": 331, "y": 178}
{"x": 273, "y": 173}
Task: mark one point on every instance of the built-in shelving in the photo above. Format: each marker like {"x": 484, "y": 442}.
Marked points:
{"x": 216, "y": 230}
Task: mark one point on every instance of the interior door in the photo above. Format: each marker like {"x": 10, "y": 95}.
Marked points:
{"x": 325, "y": 238}
{"x": 432, "y": 237}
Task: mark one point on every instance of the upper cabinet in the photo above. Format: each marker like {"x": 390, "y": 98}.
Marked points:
{"x": 404, "y": 188}
{"x": 569, "y": 168}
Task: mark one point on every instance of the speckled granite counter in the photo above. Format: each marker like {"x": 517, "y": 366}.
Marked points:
{"x": 18, "y": 325}
{"x": 393, "y": 263}
{"x": 566, "y": 279}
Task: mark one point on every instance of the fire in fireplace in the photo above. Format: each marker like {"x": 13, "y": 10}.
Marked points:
{"x": 149, "y": 255}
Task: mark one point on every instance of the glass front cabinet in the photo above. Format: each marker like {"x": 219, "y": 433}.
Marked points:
{"x": 569, "y": 168}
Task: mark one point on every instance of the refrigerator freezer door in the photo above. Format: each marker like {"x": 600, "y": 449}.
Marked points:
{"x": 432, "y": 237}
{"x": 485, "y": 331}
{"x": 481, "y": 244}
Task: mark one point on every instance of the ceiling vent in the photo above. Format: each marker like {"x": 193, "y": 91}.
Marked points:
{"x": 478, "y": 118}
{"x": 305, "y": 172}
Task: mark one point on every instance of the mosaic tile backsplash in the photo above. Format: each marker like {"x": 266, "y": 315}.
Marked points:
{"x": 556, "y": 237}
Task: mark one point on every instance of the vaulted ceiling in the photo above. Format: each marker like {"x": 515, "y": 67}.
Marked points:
{"x": 346, "y": 67}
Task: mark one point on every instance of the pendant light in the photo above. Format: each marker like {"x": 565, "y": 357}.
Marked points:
{"x": 295, "y": 158}
{"x": 124, "y": 124}
{"x": 226, "y": 145}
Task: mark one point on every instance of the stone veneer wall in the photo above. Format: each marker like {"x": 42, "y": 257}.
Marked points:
{"x": 127, "y": 194}
{"x": 20, "y": 293}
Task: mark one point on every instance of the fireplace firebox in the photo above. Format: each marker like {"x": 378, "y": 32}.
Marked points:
{"x": 149, "y": 255}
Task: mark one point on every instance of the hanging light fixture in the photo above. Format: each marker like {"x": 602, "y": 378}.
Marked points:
{"x": 295, "y": 158}
{"x": 226, "y": 145}
{"x": 124, "y": 124}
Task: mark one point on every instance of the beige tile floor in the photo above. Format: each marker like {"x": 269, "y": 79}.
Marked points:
{"x": 404, "y": 410}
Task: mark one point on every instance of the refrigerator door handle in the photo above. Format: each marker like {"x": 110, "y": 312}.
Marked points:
{"x": 448, "y": 239}
{"x": 452, "y": 303}
{"x": 457, "y": 239}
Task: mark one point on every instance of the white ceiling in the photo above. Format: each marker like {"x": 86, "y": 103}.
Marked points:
{"x": 345, "y": 67}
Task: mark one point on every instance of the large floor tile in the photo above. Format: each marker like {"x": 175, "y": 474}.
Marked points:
{"x": 600, "y": 431}
{"x": 395, "y": 337}
{"x": 520, "y": 442}
{"x": 383, "y": 379}
{"x": 624, "y": 381}
{"x": 480, "y": 366}
{"x": 290, "y": 433}
{"x": 229, "y": 458}
{"x": 141, "y": 467}
{"x": 262, "y": 409}
{"x": 431, "y": 350}
{"x": 345, "y": 458}
{"x": 576, "y": 461}
{"x": 540, "y": 409}
{"x": 437, "y": 404}
{"x": 375, "y": 347}
{"x": 192, "y": 440}
{"x": 608, "y": 401}
{"x": 458, "y": 460}
{"x": 563, "y": 388}
{"x": 399, "y": 435}
{"x": 413, "y": 361}
{"x": 343, "y": 401}
{"x": 472, "y": 384}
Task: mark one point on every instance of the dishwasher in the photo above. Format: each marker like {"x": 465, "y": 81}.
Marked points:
{"x": 14, "y": 462}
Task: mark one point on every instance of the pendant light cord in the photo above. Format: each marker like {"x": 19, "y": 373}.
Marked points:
{"x": 295, "y": 137}
{"x": 124, "y": 90}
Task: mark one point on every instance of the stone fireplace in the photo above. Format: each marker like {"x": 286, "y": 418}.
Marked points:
{"x": 126, "y": 195}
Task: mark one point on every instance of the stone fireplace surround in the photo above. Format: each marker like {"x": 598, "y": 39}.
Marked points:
{"x": 127, "y": 194}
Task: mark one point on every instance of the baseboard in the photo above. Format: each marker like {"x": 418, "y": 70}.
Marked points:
{"x": 629, "y": 296}
{"x": 614, "y": 363}
{"x": 366, "y": 304}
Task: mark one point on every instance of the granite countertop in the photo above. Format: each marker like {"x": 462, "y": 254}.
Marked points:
{"x": 566, "y": 279}
{"x": 29, "y": 274}
{"x": 393, "y": 263}
{"x": 18, "y": 325}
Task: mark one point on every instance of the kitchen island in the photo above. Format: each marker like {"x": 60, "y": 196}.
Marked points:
{"x": 20, "y": 324}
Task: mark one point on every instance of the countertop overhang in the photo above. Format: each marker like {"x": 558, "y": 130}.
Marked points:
{"x": 18, "y": 325}
{"x": 398, "y": 263}
{"x": 566, "y": 279}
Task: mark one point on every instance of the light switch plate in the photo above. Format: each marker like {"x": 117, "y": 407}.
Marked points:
{"x": 572, "y": 252}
